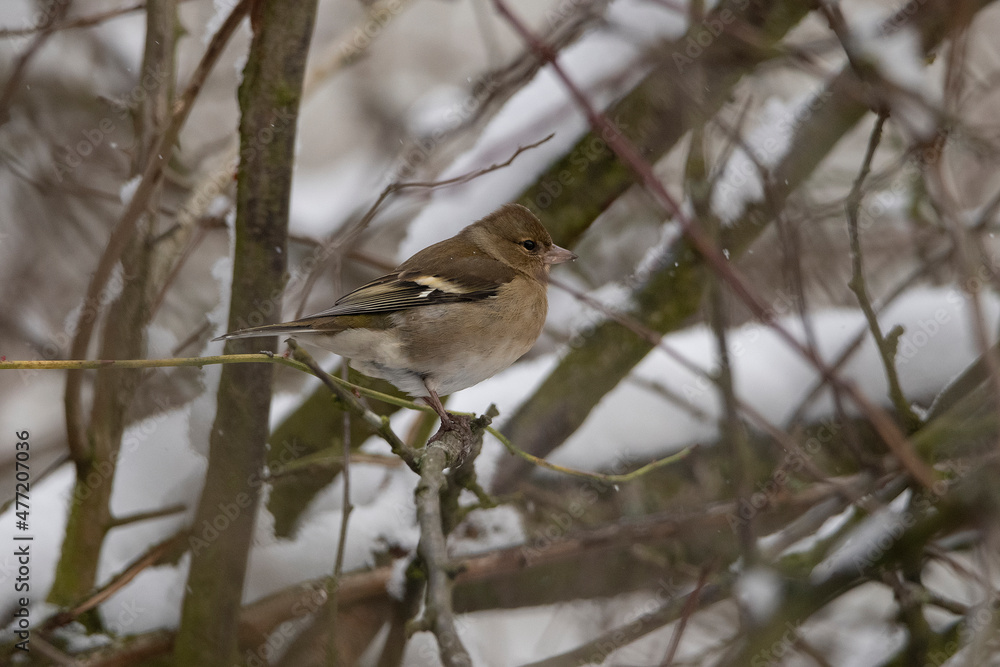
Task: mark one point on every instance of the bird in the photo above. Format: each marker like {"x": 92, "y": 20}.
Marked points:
{"x": 452, "y": 315}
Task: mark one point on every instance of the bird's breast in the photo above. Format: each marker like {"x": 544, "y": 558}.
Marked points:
{"x": 459, "y": 345}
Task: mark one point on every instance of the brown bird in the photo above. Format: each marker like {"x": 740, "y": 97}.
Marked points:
{"x": 451, "y": 316}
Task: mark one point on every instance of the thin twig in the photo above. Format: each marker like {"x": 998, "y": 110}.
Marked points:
{"x": 192, "y": 244}
{"x": 80, "y": 22}
{"x": 947, "y": 202}
{"x": 93, "y": 364}
{"x": 671, "y": 396}
{"x": 690, "y": 604}
{"x": 55, "y": 11}
{"x": 330, "y": 459}
{"x": 322, "y": 67}
{"x": 204, "y": 329}
{"x": 917, "y": 275}
{"x": 37, "y": 478}
{"x": 600, "y": 648}
{"x": 610, "y": 479}
{"x": 351, "y": 49}
{"x": 656, "y": 340}
{"x": 138, "y": 517}
{"x": 886, "y": 345}
{"x": 344, "y": 390}
{"x": 731, "y": 430}
{"x": 350, "y": 402}
{"x": 54, "y": 654}
{"x": 118, "y": 582}
{"x": 370, "y": 585}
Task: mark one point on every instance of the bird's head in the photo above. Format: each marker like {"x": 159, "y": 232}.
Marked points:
{"x": 513, "y": 235}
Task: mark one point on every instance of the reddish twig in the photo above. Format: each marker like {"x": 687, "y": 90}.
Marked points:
{"x": 690, "y": 606}
{"x": 118, "y": 582}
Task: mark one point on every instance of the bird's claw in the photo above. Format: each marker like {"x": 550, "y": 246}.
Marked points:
{"x": 460, "y": 423}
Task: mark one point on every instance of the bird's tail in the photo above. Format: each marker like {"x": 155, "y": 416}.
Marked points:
{"x": 302, "y": 326}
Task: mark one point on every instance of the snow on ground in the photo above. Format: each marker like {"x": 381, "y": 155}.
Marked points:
{"x": 771, "y": 377}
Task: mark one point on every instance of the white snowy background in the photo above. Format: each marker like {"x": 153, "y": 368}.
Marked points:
{"x": 417, "y": 72}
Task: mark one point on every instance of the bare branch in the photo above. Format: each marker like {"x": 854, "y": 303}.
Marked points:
{"x": 886, "y": 345}
{"x": 354, "y": 406}
{"x": 449, "y": 451}
{"x": 54, "y": 13}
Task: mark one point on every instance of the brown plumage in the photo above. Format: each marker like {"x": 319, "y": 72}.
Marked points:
{"x": 451, "y": 316}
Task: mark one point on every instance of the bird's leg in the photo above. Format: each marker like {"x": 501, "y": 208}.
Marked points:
{"x": 449, "y": 422}
{"x": 434, "y": 401}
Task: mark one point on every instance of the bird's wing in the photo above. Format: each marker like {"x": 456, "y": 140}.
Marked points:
{"x": 418, "y": 284}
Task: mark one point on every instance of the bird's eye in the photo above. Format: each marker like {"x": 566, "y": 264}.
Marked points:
{"x": 529, "y": 245}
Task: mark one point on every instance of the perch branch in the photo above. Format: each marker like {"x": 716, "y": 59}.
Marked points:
{"x": 450, "y": 451}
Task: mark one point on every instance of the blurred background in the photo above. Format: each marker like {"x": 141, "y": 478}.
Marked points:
{"x": 835, "y": 505}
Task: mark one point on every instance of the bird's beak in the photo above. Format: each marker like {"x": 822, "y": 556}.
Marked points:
{"x": 557, "y": 255}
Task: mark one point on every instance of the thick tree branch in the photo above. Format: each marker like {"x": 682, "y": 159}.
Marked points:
{"x": 272, "y": 80}
{"x": 452, "y": 450}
